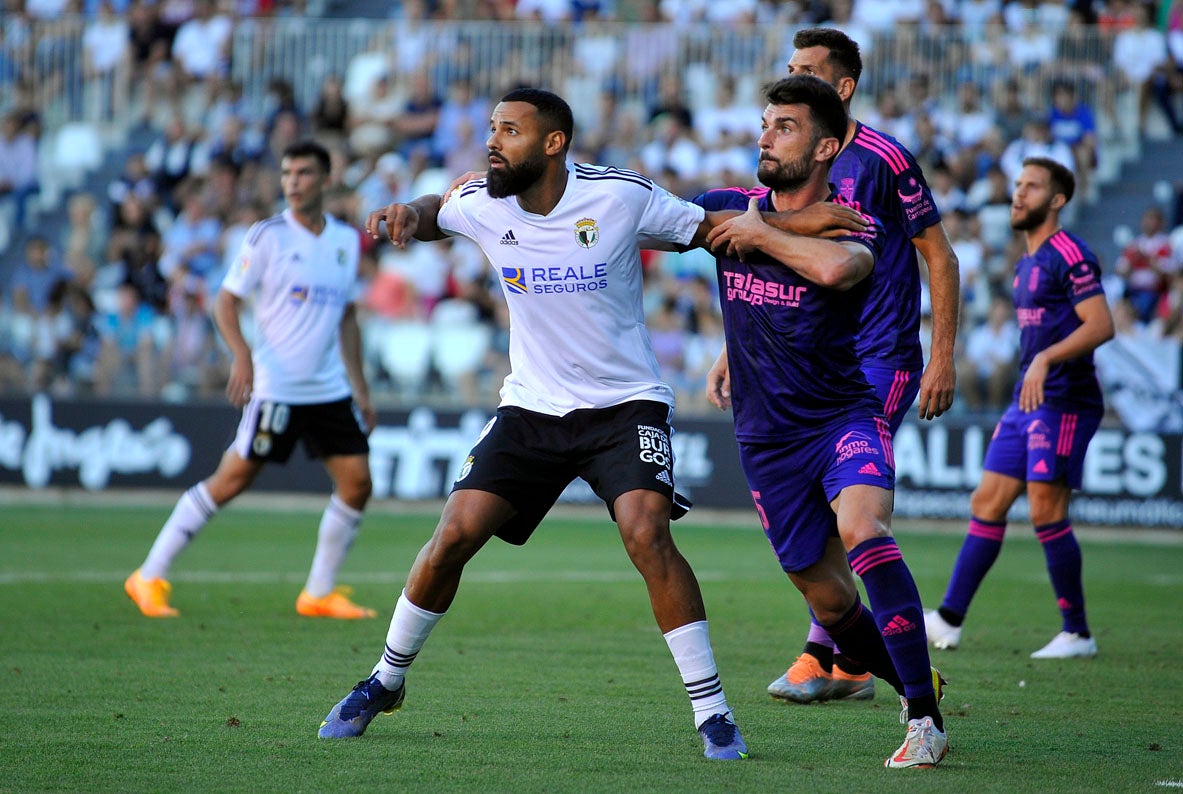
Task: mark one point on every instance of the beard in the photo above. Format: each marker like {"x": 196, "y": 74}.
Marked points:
{"x": 785, "y": 176}
{"x": 511, "y": 180}
{"x": 1034, "y": 218}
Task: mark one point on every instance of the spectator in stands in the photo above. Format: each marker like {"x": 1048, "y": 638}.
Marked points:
{"x": 34, "y": 278}
{"x": 1037, "y": 141}
{"x": 18, "y": 166}
{"x": 969, "y": 120}
{"x": 151, "y": 55}
{"x": 330, "y": 112}
{"x": 1011, "y": 111}
{"x": 86, "y": 228}
{"x": 106, "y": 46}
{"x": 415, "y": 124}
{"x": 191, "y": 243}
{"x": 191, "y": 355}
{"x": 987, "y": 369}
{"x": 201, "y": 48}
{"x": 371, "y": 125}
{"x": 127, "y": 358}
{"x": 389, "y": 182}
{"x": 169, "y": 158}
{"x": 1141, "y": 58}
{"x": 1071, "y": 122}
{"x": 460, "y": 105}
{"x": 965, "y": 237}
{"x": 1147, "y": 264}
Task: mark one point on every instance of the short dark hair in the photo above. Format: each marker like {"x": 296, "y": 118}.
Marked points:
{"x": 1061, "y": 178}
{"x": 310, "y": 148}
{"x": 825, "y": 106}
{"x": 844, "y": 51}
{"x": 552, "y": 109}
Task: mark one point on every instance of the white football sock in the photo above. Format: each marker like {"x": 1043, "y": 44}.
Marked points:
{"x": 409, "y": 627}
{"x": 338, "y": 528}
{"x": 193, "y": 510}
{"x": 691, "y": 647}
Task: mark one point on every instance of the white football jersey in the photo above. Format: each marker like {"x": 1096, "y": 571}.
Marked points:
{"x": 573, "y": 283}
{"x": 300, "y": 284}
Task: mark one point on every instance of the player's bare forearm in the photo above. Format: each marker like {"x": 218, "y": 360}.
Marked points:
{"x": 1096, "y": 329}
{"x": 240, "y": 384}
{"x": 822, "y": 219}
{"x": 351, "y": 357}
{"x": 938, "y": 384}
{"x": 718, "y": 386}
{"x": 836, "y": 265}
{"x": 415, "y": 219}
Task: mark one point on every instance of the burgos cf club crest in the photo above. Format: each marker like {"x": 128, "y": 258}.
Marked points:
{"x": 587, "y": 233}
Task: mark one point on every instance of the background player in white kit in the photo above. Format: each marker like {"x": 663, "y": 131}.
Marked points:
{"x": 584, "y": 398}
{"x": 303, "y": 380}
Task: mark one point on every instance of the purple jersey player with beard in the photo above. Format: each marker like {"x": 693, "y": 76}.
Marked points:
{"x": 814, "y": 446}
{"x": 1039, "y": 444}
{"x": 873, "y": 173}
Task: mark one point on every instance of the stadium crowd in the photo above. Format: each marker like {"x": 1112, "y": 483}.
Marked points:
{"x": 112, "y": 296}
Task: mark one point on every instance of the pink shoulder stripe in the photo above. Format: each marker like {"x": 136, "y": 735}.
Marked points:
{"x": 1068, "y": 249}
{"x": 890, "y": 151}
{"x": 1070, "y": 245}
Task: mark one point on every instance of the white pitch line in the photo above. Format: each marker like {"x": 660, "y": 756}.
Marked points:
{"x": 278, "y": 577}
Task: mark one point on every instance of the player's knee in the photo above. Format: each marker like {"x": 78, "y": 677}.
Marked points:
{"x": 646, "y": 541}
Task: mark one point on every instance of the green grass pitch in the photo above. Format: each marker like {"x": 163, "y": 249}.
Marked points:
{"x": 548, "y": 674}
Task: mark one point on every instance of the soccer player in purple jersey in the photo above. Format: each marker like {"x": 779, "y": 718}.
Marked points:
{"x": 875, "y": 174}
{"x": 1039, "y": 444}
{"x": 814, "y": 445}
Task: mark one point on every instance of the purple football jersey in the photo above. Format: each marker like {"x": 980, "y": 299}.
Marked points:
{"x": 1048, "y": 284}
{"x": 879, "y": 177}
{"x": 790, "y": 342}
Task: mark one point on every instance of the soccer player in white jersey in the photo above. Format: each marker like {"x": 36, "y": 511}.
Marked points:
{"x": 584, "y": 398}
{"x": 302, "y": 381}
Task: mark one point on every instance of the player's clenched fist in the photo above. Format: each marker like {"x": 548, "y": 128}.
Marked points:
{"x": 401, "y": 222}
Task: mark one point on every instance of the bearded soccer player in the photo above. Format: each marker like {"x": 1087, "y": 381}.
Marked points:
{"x": 877, "y": 175}
{"x": 583, "y": 399}
{"x": 1039, "y": 444}
{"x": 302, "y": 381}
{"x": 813, "y": 442}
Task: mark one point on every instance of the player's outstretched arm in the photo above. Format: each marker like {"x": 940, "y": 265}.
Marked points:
{"x": 939, "y": 381}
{"x": 415, "y": 219}
{"x": 227, "y": 306}
{"x": 1096, "y": 329}
{"x": 823, "y": 219}
{"x": 351, "y": 356}
{"x": 828, "y": 263}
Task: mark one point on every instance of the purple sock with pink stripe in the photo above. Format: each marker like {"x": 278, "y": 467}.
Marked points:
{"x": 978, "y": 553}
{"x": 1065, "y": 565}
{"x": 895, "y": 603}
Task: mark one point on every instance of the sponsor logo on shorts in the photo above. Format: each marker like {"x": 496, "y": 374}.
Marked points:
{"x": 870, "y": 468}
{"x": 854, "y": 443}
{"x": 664, "y": 476}
{"x": 655, "y": 446}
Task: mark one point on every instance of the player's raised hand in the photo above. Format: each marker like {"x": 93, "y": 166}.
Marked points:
{"x": 823, "y": 219}
{"x": 401, "y": 222}
{"x": 738, "y": 235}
{"x": 467, "y": 176}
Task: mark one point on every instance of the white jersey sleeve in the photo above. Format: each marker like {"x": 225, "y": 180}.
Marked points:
{"x": 572, "y": 280}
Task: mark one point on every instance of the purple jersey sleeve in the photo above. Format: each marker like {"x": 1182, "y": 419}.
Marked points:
{"x": 878, "y": 176}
